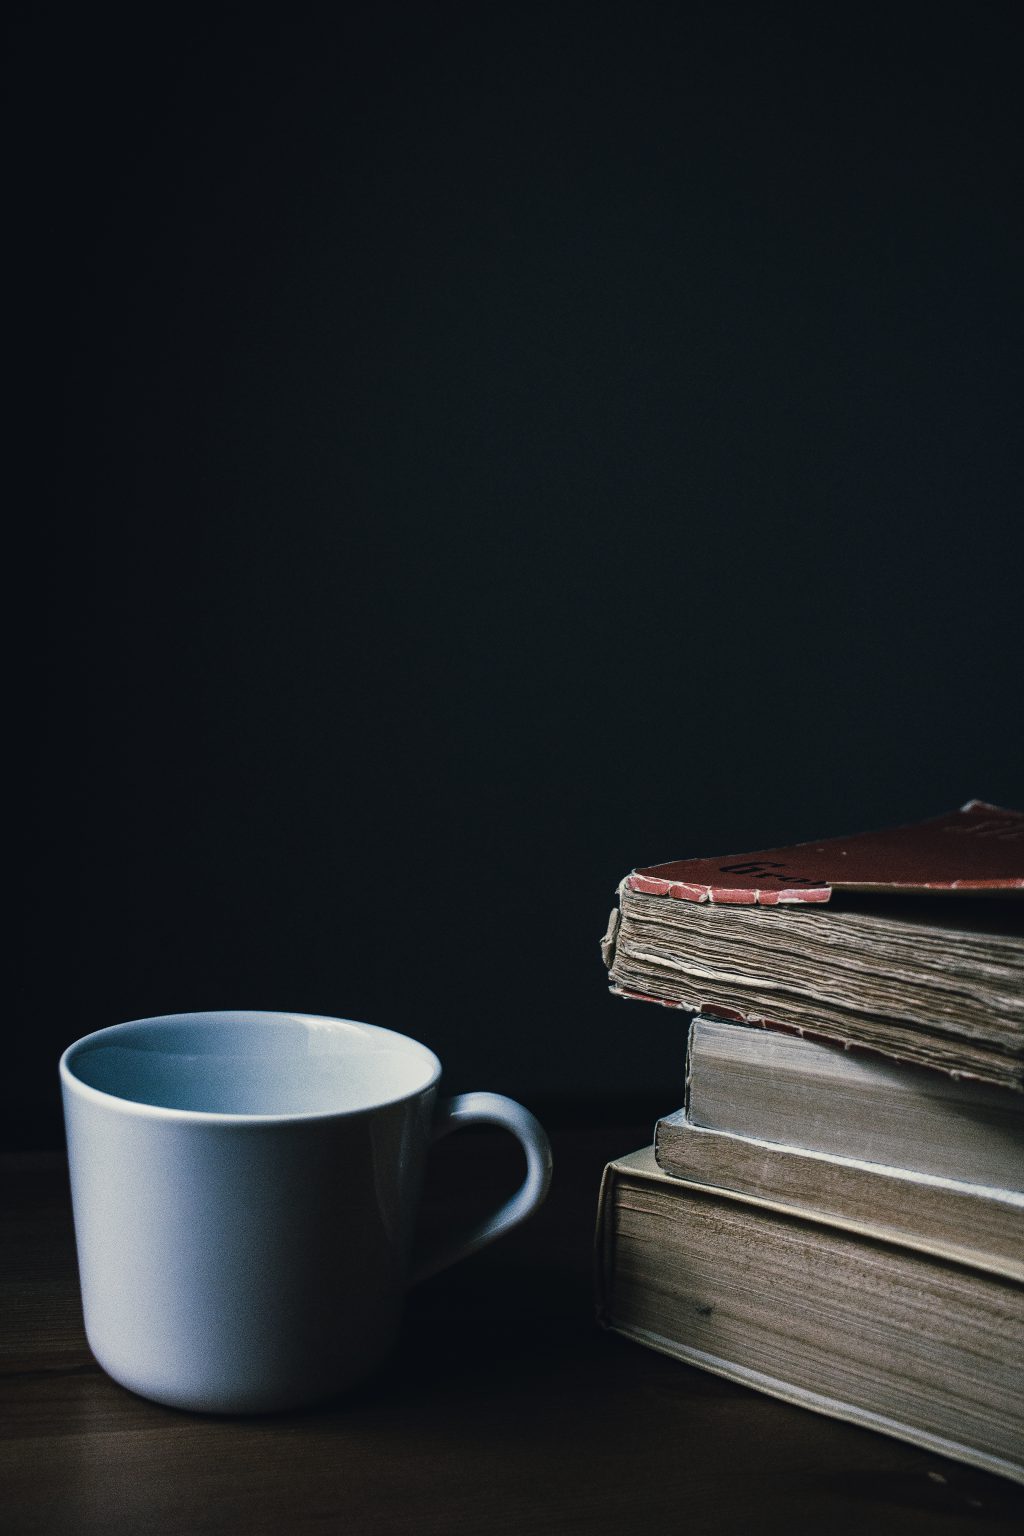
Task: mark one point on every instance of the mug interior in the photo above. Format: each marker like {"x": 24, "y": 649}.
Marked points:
{"x": 252, "y": 1064}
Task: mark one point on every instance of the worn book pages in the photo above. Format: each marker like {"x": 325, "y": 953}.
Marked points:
{"x": 783, "y": 1088}
{"x": 867, "y": 941}
{"x": 962, "y": 1222}
{"x": 854, "y": 1140}
{"x": 897, "y": 1341}
{"x": 941, "y": 984}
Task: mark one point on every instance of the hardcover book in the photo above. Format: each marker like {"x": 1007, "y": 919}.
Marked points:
{"x": 846, "y": 1324}
{"x": 908, "y": 942}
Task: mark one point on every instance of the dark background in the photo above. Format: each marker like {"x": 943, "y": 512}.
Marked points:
{"x": 462, "y": 452}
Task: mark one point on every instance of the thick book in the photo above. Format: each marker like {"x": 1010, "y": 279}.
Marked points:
{"x": 908, "y": 942}
{"x": 847, "y": 1325}
{"x": 896, "y": 1152}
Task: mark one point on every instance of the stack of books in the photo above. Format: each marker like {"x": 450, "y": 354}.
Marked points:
{"x": 835, "y": 1215}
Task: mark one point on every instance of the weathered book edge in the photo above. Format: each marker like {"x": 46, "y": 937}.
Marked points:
{"x": 642, "y": 1163}
{"x": 931, "y": 1191}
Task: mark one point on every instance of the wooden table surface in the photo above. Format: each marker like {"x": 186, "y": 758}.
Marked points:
{"x": 506, "y": 1408}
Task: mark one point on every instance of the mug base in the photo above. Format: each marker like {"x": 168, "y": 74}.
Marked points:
{"x": 238, "y": 1399}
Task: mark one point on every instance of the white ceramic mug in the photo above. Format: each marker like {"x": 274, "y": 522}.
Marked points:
{"x": 245, "y": 1188}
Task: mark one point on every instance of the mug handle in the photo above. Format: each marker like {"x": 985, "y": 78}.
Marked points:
{"x": 491, "y": 1109}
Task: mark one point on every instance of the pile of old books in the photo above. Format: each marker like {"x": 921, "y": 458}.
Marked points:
{"x": 836, "y": 1214}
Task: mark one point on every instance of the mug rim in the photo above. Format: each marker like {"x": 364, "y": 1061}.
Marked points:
{"x": 75, "y": 1084}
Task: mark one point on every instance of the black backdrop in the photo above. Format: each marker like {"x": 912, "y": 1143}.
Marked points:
{"x": 461, "y": 452}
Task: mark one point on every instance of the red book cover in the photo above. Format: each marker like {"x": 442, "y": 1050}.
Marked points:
{"x": 977, "y": 849}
